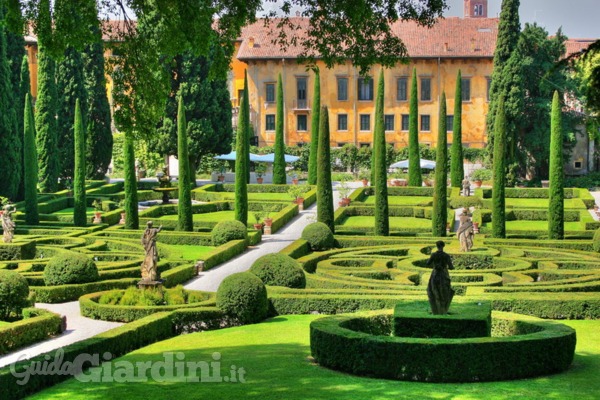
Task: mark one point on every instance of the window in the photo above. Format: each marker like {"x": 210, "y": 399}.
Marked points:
{"x": 465, "y": 85}
{"x": 365, "y": 122}
{"x": 301, "y": 124}
{"x": 364, "y": 144}
{"x": 342, "y": 122}
{"x": 425, "y": 89}
{"x": 489, "y": 85}
{"x": 270, "y": 93}
{"x": 577, "y": 165}
{"x": 365, "y": 89}
{"x": 389, "y": 122}
{"x": 478, "y": 10}
{"x": 301, "y": 92}
{"x": 402, "y": 89}
{"x": 240, "y": 97}
{"x": 405, "y": 122}
{"x": 449, "y": 123}
{"x": 342, "y": 84}
{"x": 270, "y": 122}
{"x": 425, "y": 123}
{"x": 341, "y": 144}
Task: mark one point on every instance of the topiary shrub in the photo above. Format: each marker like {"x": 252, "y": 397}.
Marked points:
{"x": 279, "y": 270}
{"x": 70, "y": 268}
{"x": 244, "y": 297}
{"x": 13, "y": 294}
{"x": 596, "y": 241}
{"x": 319, "y": 236}
{"x": 225, "y": 231}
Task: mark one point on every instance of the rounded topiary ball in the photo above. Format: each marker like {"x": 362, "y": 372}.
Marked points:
{"x": 319, "y": 236}
{"x": 596, "y": 241}
{"x": 70, "y": 268}
{"x": 225, "y": 231}
{"x": 279, "y": 270}
{"x": 13, "y": 294}
{"x": 244, "y": 297}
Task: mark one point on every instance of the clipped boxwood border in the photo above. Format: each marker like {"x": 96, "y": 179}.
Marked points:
{"x": 38, "y": 325}
{"x": 549, "y": 347}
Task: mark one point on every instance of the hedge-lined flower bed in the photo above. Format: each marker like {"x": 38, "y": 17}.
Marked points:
{"x": 37, "y": 325}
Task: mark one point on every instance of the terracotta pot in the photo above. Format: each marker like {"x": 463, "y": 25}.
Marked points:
{"x": 345, "y": 202}
{"x": 295, "y": 181}
{"x": 477, "y": 184}
{"x": 221, "y": 178}
{"x": 97, "y": 217}
{"x": 300, "y": 202}
{"x": 258, "y": 227}
{"x": 268, "y": 221}
{"x": 365, "y": 182}
{"x": 259, "y": 180}
{"x": 122, "y": 220}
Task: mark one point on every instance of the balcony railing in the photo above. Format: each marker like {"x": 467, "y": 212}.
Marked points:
{"x": 301, "y": 105}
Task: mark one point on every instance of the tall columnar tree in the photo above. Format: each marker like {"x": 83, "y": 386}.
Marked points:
{"x": 457, "y": 168}
{"x": 556, "y": 222}
{"x": 10, "y": 141}
{"x": 70, "y": 88}
{"x": 314, "y": 131}
{"x": 242, "y": 148}
{"x": 15, "y": 53}
{"x": 509, "y": 29}
{"x": 25, "y": 89}
{"x": 499, "y": 172}
{"x": 80, "y": 205}
{"x": 31, "y": 169}
{"x": 184, "y": 207}
{"x": 279, "y": 162}
{"x": 382, "y": 221}
{"x": 414, "y": 159}
{"x": 45, "y": 106}
{"x": 439, "y": 217}
{"x": 324, "y": 190}
{"x": 98, "y": 131}
{"x": 132, "y": 220}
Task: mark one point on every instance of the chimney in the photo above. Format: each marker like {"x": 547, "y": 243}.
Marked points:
{"x": 446, "y": 47}
{"x": 251, "y": 42}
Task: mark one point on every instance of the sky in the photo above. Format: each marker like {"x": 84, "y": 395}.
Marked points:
{"x": 578, "y": 18}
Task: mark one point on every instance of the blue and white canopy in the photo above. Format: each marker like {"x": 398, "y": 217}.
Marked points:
{"x": 427, "y": 164}
{"x": 231, "y": 157}
{"x": 270, "y": 158}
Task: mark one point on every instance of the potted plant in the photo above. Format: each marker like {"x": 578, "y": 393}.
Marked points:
{"x": 221, "y": 173}
{"x": 258, "y": 215}
{"x": 364, "y": 176}
{"x": 294, "y": 175}
{"x": 344, "y": 191}
{"x": 260, "y": 169}
{"x": 296, "y": 192}
{"x": 480, "y": 175}
{"x": 267, "y": 209}
{"x": 97, "y": 204}
{"x": 123, "y": 214}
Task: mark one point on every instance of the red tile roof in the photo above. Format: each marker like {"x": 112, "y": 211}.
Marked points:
{"x": 577, "y": 45}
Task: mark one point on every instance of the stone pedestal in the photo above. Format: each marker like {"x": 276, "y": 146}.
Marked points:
{"x": 147, "y": 284}
{"x": 267, "y": 230}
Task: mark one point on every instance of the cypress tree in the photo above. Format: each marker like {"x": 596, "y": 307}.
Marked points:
{"x": 279, "y": 157}
{"x": 24, "y": 90}
{"x": 10, "y": 141}
{"x": 99, "y": 136}
{"x": 184, "y": 207}
{"x": 499, "y": 171}
{"x": 241, "y": 160}
{"x": 314, "y": 131}
{"x": 132, "y": 220}
{"x": 324, "y": 190}
{"x": 556, "y": 223}
{"x": 31, "y": 169}
{"x": 414, "y": 159}
{"x": 457, "y": 168}
{"x": 439, "y": 217}
{"x": 382, "y": 222}
{"x": 80, "y": 205}
{"x": 45, "y": 106}
{"x": 70, "y": 89}
{"x": 15, "y": 53}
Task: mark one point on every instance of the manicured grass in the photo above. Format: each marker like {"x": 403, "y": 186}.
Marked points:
{"x": 536, "y": 226}
{"x": 3, "y": 323}
{"x": 216, "y": 216}
{"x": 255, "y": 196}
{"x": 188, "y": 252}
{"x": 395, "y": 222}
{"x": 69, "y": 211}
{"x": 542, "y": 203}
{"x": 276, "y": 358}
{"x": 404, "y": 200}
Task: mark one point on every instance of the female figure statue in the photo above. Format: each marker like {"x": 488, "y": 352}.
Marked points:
{"x": 439, "y": 289}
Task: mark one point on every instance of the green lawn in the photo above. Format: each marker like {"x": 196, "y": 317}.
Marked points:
{"x": 216, "y": 216}
{"x": 186, "y": 252}
{"x": 543, "y": 203}
{"x": 404, "y": 200}
{"x": 276, "y": 358}
{"x": 395, "y": 222}
{"x": 536, "y": 226}
{"x": 69, "y": 211}
{"x": 254, "y": 196}
{"x": 2, "y": 323}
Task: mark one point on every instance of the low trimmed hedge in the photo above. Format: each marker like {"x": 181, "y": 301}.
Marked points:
{"x": 17, "y": 251}
{"x": 38, "y": 325}
{"x": 549, "y": 348}
{"x": 64, "y": 293}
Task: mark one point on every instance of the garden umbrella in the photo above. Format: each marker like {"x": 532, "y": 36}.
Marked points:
{"x": 427, "y": 164}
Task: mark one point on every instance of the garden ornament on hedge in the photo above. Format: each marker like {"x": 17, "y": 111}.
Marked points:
{"x": 8, "y": 225}
{"x": 149, "y": 266}
{"x": 439, "y": 289}
{"x": 466, "y": 187}
{"x": 465, "y": 233}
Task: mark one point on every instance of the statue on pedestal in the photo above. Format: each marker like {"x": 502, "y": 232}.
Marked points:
{"x": 466, "y": 187}
{"x": 149, "y": 266}
{"x": 465, "y": 233}
{"x": 8, "y": 225}
{"x": 439, "y": 289}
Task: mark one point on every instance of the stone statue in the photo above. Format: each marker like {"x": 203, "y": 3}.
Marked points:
{"x": 466, "y": 186}
{"x": 465, "y": 233}
{"x": 439, "y": 290}
{"x": 149, "y": 266}
{"x": 8, "y": 225}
